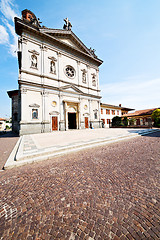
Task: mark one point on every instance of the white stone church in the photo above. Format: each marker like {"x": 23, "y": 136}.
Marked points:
{"x": 58, "y": 80}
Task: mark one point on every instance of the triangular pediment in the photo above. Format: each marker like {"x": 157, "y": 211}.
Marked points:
{"x": 71, "y": 88}
{"x": 69, "y": 38}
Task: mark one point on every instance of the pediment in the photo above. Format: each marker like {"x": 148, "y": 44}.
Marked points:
{"x": 34, "y": 105}
{"x": 71, "y": 88}
{"x": 54, "y": 113}
{"x": 67, "y": 37}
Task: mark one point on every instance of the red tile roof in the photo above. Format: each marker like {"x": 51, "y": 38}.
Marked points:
{"x": 2, "y": 119}
{"x": 140, "y": 112}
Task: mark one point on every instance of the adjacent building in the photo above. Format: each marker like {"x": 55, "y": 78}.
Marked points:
{"x": 141, "y": 117}
{"x": 108, "y": 112}
{"x": 58, "y": 79}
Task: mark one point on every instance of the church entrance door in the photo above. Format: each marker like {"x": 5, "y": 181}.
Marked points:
{"x": 86, "y": 122}
{"x": 72, "y": 121}
{"x": 54, "y": 123}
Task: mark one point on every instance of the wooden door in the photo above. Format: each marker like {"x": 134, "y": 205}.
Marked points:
{"x": 138, "y": 122}
{"x": 54, "y": 123}
{"x": 86, "y": 122}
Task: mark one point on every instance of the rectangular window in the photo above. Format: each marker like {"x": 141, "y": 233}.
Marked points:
{"x": 108, "y": 121}
{"x": 103, "y": 120}
{"x": 117, "y": 112}
{"x": 34, "y": 113}
{"x": 101, "y": 111}
{"x": 107, "y": 111}
{"x": 113, "y": 112}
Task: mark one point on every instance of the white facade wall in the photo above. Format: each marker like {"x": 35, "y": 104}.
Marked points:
{"x": 40, "y": 88}
{"x": 110, "y": 116}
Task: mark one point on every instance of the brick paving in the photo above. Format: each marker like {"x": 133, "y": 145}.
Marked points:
{"x": 7, "y": 143}
{"x": 109, "y": 192}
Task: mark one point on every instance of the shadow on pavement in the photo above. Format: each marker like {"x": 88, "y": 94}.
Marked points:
{"x": 140, "y": 132}
{"x": 8, "y": 134}
{"x": 155, "y": 134}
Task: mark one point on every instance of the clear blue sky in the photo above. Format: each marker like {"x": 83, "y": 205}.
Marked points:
{"x": 125, "y": 34}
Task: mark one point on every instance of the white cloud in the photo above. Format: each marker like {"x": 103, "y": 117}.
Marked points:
{"x": 137, "y": 93}
{"x": 4, "y": 36}
{"x": 9, "y": 11}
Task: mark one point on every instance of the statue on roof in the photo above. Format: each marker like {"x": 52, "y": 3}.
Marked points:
{"x": 67, "y": 25}
{"x": 92, "y": 51}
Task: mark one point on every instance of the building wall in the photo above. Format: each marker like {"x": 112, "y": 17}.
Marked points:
{"x": 107, "y": 117}
{"x": 15, "y": 113}
{"x": 50, "y": 94}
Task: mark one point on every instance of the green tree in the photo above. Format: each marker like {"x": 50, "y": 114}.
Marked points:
{"x": 125, "y": 121}
{"x": 116, "y": 121}
{"x": 156, "y": 117}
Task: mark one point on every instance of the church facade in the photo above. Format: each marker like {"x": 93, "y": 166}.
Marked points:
{"x": 58, "y": 80}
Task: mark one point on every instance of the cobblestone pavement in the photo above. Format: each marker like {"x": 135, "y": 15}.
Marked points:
{"x": 7, "y": 143}
{"x": 109, "y": 192}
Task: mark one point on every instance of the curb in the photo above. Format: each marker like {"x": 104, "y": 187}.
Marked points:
{"x": 17, "y": 159}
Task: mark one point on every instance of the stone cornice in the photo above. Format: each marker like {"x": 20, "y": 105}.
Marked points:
{"x": 59, "y": 80}
{"x": 52, "y": 88}
{"x": 20, "y": 26}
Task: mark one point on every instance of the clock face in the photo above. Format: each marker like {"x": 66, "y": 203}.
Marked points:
{"x": 69, "y": 71}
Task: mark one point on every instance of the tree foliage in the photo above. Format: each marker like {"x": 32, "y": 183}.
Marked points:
{"x": 156, "y": 117}
{"x": 116, "y": 121}
{"x": 125, "y": 121}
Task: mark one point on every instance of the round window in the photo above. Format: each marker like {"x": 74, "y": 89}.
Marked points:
{"x": 54, "y": 103}
{"x": 69, "y": 71}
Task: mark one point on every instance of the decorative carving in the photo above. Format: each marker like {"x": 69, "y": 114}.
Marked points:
{"x": 84, "y": 78}
{"x": 23, "y": 90}
{"x": 54, "y": 113}
{"x": 85, "y": 107}
{"x": 44, "y": 48}
{"x": 52, "y": 65}
{"x": 22, "y": 40}
{"x": 34, "y": 58}
{"x": 34, "y": 105}
{"x": 86, "y": 114}
{"x": 67, "y": 25}
{"x": 29, "y": 16}
{"x": 44, "y": 93}
{"x": 34, "y": 52}
{"x": 33, "y": 61}
{"x": 69, "y": 71}
{"x": 54, "y": 103}
{"x": 92, "y": 51}
{"x": 53, "y": 59}
{"x": 59, "y": 54}
{"x": 93, "y": 79}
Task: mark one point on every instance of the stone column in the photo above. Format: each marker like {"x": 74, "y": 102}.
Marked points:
{"x": 88, "y": 76}
{"x": 46, "y": 120}
{"x": 97, "y": 76}
{"x": 23, "y": 122}
{"x": 58, "y": 65}
{"x": 66, "y": 116}
{"x": 62, "y": 113}
{"x": 78, "y": 64}
{"x": 99, "y": 114}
